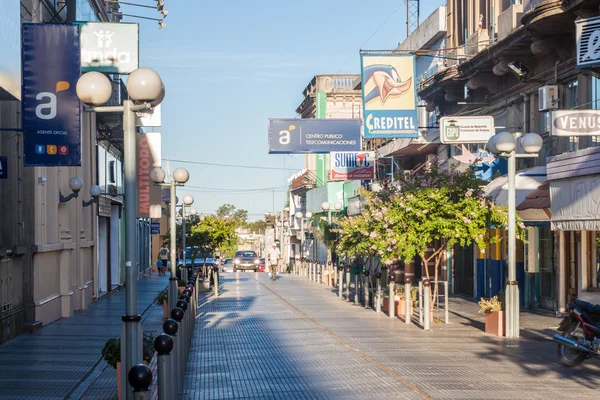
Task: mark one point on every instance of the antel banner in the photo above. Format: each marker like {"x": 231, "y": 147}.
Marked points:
{"x": 51, "y": 109}
{"x": 352, "y": 165}
{"x": 109, "y": 47}
{"x": 575, "y": 123}
{"x": 148, "y": 157}
{"x": 389, "y": 95}
{"x": 313, "y": 135}
{"x": 587, "y": 35}
{"x": 466, "y": 129}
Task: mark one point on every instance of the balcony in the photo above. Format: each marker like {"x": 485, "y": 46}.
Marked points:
{"x": 303, "y": 183}
{"x": 331, "y": 85}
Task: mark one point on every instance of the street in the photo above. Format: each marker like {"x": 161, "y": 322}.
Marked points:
{"x": 295, "y": 339}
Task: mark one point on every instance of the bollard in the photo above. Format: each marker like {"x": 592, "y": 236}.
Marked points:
{"x": 426, "y": 303}
{"x": 407, "y": 300}
{"x": 366, "y": 300}
{"x": 163, "y": 344}
{"x": 216, "y": 280}
{"x": 356, "y": 288}
{"x": 378, "y": 292}
{"x": 421, "y": 303}
{"x": 170, "y": 327}
{"x": 446, "y": 302}
{"x": 340, "y": 280}
{"x": 329, "y": 274}
{"x": 392, "y": 300}
{"x": 140, "y": 378}
{"x": 185, "y": 304}
{"x": 348, "y": 281}
{"x": 177, "y": 314}
{"x": 184, "y": 327}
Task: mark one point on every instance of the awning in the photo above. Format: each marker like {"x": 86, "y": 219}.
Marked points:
{"x": 526, "y": 181}
{"x": 536, "y": 206}
{"x": 576, "y": 204}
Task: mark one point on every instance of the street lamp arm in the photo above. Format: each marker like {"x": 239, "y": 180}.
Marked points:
{"x": 64, "y": 199}
{"x": 118, "y": 109}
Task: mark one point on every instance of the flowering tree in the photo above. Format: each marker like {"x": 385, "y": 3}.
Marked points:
{"x": 420, "y": 213}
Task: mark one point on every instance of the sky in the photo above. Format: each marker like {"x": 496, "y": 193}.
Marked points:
{"x": 228, "y": 66}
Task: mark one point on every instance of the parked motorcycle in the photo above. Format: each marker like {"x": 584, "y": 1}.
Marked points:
{"x": 581, "y": 333}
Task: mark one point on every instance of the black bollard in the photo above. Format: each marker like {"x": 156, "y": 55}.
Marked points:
{"x": 163, "y": 344}
{"x": 178, "y": 314}
{"x": 170, "y": 327}
{"x": 140, "y": 378}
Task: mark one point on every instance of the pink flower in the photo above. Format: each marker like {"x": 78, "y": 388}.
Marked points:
{"x": 522, "y": 225}
{"x": 425, "y": 211}
{"x": 388, "y": 262}
{"x": 394, "y": 241}
{"x": 373, "y": 235}
{"x": 466, "y": 220}
{"x": 385, "y": 226}
{"x": 469, "y": 193}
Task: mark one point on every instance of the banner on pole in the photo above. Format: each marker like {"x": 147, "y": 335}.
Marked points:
{"x": 148, "y": 157}
{"x": 389, "y": 95}
{"x": 51, "y": 108}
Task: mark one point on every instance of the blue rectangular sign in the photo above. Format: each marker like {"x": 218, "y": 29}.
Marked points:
{"x": 389, "y": 95}
{"x": 3, "y": 167}
{"x": 313, "y": 135}
{"x": 51, "y": 109}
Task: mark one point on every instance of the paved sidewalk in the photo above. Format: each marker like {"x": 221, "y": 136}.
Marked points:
{"x": 294, "y": 339}
{"x": 63, "y": 360}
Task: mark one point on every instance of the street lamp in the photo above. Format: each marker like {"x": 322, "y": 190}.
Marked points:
{"x": 326, "y": 207}
{"x": 188, "y": 200}
{"x": 503, "y": 144}
{"x": 75, "y": 184}
{"x": 95, "y": 192}
{"x": 178, "y": 178}
{"x": 301, "y": 216}
{"x": 94, "y": 89}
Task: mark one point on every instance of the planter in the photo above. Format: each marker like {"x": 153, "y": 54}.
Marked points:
{"x": 118, "y": 369}
{"x": 180, "y": 289}
{"x": 401, "y": 307}
{"x": 166, "y": 309}
{"x": 386, "y": 304}
{"x": 494, "y": 323}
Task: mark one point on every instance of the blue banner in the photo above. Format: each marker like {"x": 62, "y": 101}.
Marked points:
{"x": 313, "y": 135}
{"x": 51, "y": 109}
{"x": 3, "y": 167}
{"x": 389, "y": 96}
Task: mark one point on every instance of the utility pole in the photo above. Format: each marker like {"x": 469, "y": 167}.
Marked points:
{"x": 412, "y": 16}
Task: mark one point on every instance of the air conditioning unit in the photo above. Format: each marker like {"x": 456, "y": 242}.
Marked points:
{"x": 548, "y": 98}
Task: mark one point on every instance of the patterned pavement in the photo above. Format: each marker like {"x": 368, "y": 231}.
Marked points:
{"x": 295, "y": 339}
{"x": 63, "y": 360}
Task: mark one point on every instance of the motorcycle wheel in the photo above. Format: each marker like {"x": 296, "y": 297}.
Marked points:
{"x": 567, "y": 356}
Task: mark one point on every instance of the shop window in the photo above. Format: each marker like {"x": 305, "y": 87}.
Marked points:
{"x": 595, "y": 140}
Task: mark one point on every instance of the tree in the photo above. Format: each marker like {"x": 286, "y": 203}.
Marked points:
{"x": 213, "y": 234}
{"x": 226, "y": 210}
{"x": 423, "y": 214}
{"x": 257, "y": 226}
{"x": 240, "y": 216}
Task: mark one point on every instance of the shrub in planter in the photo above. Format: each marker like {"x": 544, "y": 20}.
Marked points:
{"x": 494, "y": 314}
{"x": 161, "y": 300}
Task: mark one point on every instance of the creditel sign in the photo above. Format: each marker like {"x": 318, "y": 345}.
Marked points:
{"x": 109, "y": 47}
{"x": 575, "y": 123}
{"x": 352, "y": 165}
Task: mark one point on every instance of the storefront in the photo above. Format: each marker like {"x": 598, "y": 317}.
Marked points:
{"x": 575, "y": 205}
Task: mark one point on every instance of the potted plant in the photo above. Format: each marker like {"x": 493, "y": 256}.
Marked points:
{"x": 181, "y": 285}
{"x": 494, "y": 314}
{"x": 111, "y": 353}
{"x": 386, "y": 301}
{"x": 401, "y": 304}
{"x": 162, "y": 300}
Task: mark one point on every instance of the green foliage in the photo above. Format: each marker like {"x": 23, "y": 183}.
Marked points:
{"x": 401, "y": 292}
{"x": 111, "y": 352}
{"x": 258, "y": 226}
{"x": 213, "y": 234}
{"x": 239, "y": 216}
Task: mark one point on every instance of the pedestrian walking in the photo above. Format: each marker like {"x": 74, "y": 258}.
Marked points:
{"x": 273, "y": 257}
{"x": 163, "y": 255}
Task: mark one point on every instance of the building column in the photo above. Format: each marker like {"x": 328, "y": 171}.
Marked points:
{"x": 584, "y": 264}
{"x": 562, "y": 271}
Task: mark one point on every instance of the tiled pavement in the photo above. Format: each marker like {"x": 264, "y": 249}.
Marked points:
{"x": 63, "y": 360}
{"x": 295, "y": 339}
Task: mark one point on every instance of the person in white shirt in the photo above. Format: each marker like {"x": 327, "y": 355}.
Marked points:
{"x": 273, "y": 257}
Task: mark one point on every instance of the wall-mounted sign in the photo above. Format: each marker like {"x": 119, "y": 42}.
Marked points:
{"x": 313, "y": 135}
{"x": 352, "y": 165}
{"x": 155, "y": 227}
{"x": 109, "y": 47}
{"x": 587, "y": 36}
{"x": 148, "y": 157}
{"x": 51, "y": 108}
{"x": 389, "y": 95}
{"x": 466, "y": 129}
{"x": 575, "y": 123}
{"x": 3, "y": 167}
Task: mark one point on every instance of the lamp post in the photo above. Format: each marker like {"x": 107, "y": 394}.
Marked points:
{"x": 503, "y": 144}
{"x": 188, "y": 200}
{"x": 326, "y": 207}
{"x": 145, "y": 87}
{"x": 301, "y": 216}
{"x": 179, "y": 177}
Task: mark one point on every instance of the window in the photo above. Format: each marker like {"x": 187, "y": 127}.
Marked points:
{"x": 571, "y": 101}
{"x": 112, "y": 172}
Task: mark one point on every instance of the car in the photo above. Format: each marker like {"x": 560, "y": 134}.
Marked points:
{"x": 228, "y": 264}
{"x": 262, "y": 266}
{"x": 246, "y": 260}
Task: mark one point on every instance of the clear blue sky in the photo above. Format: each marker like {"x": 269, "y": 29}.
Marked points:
{"x": 228, "y": 66}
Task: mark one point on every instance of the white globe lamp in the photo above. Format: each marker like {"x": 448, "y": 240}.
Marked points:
{"x": 532, "y": 143}
{"x": 505, "y": 142}
{"x": 181, "y": 175}
{"x": 157, "y": 175}
{"x": 93, "y": 88}
{"x": 144, "y": 84}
